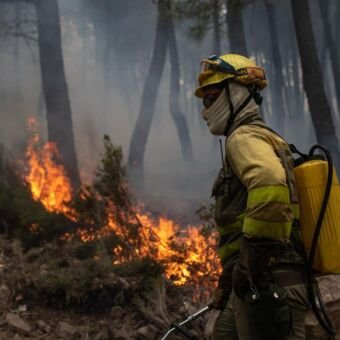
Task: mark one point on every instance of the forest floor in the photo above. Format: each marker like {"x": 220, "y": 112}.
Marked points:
{"x": 55, "y": 292}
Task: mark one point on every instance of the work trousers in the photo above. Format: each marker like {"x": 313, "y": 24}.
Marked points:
{"x": 235, "y": 323}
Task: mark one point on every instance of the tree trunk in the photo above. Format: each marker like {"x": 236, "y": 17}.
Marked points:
{"x": 337, "y": 24}
{"x": 108, "y": 35}
{"x": 109, "y": 42}
{"x": 16, "y": 52}
{"x": 177, "y": 115}
{"x": 294, "y": 95}
{"x": 331, "y": 44}
{"x": 278, "y": 89}
{"x": 58, "y": 107}
{"x": 236, "y": 34}
{"x": 298, "y": 80}
{"x": 216, "y": 28}
{"x": 313, "y": 79}
{"x": 149, "y": 95}
{"x": 17, "y": 67}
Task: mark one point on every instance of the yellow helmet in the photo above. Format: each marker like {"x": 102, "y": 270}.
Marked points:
{"x": 215, "y": 70}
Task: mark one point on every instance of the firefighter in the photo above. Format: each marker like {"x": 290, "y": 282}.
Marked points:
{"x": 261, "y": 291}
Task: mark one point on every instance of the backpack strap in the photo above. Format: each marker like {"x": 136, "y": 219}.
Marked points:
{"x": 303, "y": 157}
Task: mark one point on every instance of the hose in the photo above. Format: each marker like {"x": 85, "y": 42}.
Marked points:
{"x": 313, "y": 289}
{"x": 184, "y": 331}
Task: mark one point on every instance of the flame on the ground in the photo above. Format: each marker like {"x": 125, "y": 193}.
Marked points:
{"x": 186, "y": 254}
{"x": 46, "y": 178}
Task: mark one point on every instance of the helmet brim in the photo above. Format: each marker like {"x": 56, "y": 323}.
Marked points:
{"x": 199, "y": 92}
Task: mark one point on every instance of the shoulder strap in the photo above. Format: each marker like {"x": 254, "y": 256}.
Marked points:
{"x": 292, "y": 147}
{"x": 303, "y": 157}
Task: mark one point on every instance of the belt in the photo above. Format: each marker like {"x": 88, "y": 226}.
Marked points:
{"x": 290, "y": 278}
{"x": 289, "y": 275}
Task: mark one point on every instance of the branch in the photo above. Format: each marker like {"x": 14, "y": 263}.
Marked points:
{"x": 15, "y": 29}
{"x": 24, "y": 35}
{"x": 16, "y": 1}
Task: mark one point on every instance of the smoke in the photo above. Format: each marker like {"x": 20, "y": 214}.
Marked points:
{"x": 107, "y": 47}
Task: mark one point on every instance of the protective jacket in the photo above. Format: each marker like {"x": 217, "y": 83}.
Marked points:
{"x": 256, "y": 203}
{"x": 255, "y": 192}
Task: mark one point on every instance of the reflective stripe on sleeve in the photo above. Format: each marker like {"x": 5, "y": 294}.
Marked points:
{"x": 262, "y": 228}
{"x": 232, "y": 227}
{"x": 226, "y": 251}
{"x": 271, "y": 193}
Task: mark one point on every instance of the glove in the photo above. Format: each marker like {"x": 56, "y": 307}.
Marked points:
{"x": 223, "y": 290}
{"x": 220, "y": 299}
{"x": 240, "y": 281}
{"x": 256, "y": 255}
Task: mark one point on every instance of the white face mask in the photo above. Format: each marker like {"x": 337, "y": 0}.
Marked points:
{"x": 217, "y": 115}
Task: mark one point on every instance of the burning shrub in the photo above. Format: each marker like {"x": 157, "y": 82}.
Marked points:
{"x": 111, "y": 182}
{"x": 96, "y": 248}
{"x": 106, "y": 209}
{"x": 101, "y": 222}
{"x": 27, "y": 219}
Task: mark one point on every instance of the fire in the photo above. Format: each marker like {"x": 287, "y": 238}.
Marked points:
{"x": 46, "y": 178}
{"x": 187, "y": 256}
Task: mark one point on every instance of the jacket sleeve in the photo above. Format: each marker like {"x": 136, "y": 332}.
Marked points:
{"x": 269, "y": 212}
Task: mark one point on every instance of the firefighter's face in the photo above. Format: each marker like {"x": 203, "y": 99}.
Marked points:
{"x": 211, "y": 93}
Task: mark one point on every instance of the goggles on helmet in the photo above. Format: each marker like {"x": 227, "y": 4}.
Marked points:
{"x": 215, "y": 64}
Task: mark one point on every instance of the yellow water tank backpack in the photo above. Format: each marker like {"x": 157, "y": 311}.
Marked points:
{"x": 319, "y": 198}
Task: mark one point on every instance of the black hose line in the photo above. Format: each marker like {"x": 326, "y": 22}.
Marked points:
{"x": 313, "y": 289}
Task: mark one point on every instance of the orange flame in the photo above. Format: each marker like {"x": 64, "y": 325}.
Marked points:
{"x": 46, "y": 178}
{"x": 188, "y": 257}
{"x": 186, "y": 254}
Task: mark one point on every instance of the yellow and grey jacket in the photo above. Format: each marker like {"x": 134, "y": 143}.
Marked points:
{"x": 255, "y": 193}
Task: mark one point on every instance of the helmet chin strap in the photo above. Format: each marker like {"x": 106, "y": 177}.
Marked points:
{"x": 253, "y": 94}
